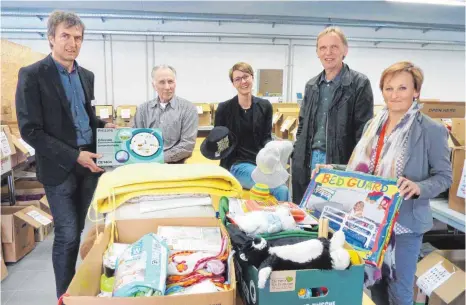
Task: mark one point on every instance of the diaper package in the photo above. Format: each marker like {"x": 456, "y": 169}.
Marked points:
{"x": 142, "y": 268}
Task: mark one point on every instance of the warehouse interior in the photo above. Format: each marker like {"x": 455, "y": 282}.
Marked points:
{"x": 202, "y": 40}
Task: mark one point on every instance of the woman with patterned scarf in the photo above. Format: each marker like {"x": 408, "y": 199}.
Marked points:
{"x": 402, "y": 143}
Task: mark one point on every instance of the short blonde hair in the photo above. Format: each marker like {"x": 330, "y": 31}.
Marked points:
{"x": 404, "y": 66}
{"x": 243, "y": 67}
{"x": 330, "y": 30}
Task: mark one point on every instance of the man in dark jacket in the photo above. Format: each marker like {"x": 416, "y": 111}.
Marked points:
{"x": 53, "y": 105}
{"x": 337, "y": 104}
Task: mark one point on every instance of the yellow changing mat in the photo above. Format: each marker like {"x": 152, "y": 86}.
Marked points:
{"x": 129, "y": 181}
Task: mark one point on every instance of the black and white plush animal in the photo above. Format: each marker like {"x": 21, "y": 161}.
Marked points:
{"x": 318, "y": 253}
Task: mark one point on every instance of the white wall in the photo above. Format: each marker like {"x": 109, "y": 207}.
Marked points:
{"x": 444, "y": 71}
{"x": 203, "y": 67}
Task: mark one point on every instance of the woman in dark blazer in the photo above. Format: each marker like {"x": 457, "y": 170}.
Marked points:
{"x": 402, "y": 143}
{"x": 249, "y": 118}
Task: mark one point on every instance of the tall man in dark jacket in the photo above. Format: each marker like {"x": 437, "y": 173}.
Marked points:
{"x": 53, "y": 104}
{"x": 337, "y": 104}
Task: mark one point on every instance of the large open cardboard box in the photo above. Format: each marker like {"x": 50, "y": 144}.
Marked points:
{"x": 18, "y": 231}
{"x": 449, "y": 292}
{"x": 41, "y": 233}
{"x": 85, "y": 286}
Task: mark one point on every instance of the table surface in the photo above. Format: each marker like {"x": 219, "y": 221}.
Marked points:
{"x": 442, "y": 212}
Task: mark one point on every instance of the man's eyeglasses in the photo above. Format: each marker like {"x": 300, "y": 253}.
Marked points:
{"x": 239, "y": 79}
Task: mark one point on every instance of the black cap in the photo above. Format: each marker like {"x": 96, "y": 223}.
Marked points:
{"x": 219, "y": 143}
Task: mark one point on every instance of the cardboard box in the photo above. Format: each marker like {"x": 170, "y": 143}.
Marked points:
{"x": 288, "y": 124}
{"x": 6, "y": 165}
{"x": 214, "y": 107}
{"x": 457, "y": 132}
{"x": 18, "y": 231}
{"x": 85, "y": 285}
{"x": 23, "y": 151}
{"x": 26, "y": 190}
{"x": 459, "y": 171}
{"x": 104, "y": 112}
{"x": 344, "y": 287}
{"x": 205, "y": 114}
{"x": 446, "y": 110}
{"x": 3, "y": 269}
{"x": 450, "y": 289}
{"x": 125, "y": 115}
{"x": 41, "y": 233}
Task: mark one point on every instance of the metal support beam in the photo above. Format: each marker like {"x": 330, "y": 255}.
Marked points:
{"x": 243, "y": 35}
{"x": 376, "y": 43}
{"x": 289, "y": 73}
{"x": 378, "y": 28}
{"x": 241, "y": 18}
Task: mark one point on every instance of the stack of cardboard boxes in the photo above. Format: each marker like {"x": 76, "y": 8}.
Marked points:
{"x": 285, "y": 120}
{"x": 452, "y": 115}
{"x": 204, "y": 112}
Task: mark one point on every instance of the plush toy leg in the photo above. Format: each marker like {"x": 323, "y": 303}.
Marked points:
{"x": 337, "y": 241}
{"x": 340, "y": 256}
{"x": 265, "y": 270}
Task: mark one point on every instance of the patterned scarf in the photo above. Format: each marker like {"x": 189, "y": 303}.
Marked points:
{"x": 390, "y": 165}
{"x": 363, "y": 157}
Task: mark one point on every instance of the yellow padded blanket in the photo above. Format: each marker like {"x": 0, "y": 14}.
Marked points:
{"x": 129, "y": 181}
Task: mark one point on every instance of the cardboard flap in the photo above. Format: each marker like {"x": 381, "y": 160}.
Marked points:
{"x": 44, "y": 201}
{"x": 453, "y": 286}
{"x": 289, "y": 111}
{"x": 287, "y": 124}
{"x": 276, "y": 117}
{"x": 34, "y": 216}
{"x": 19, "y": 145}
{"x": 458, "y": 131}
{"x": 7, "y": 229}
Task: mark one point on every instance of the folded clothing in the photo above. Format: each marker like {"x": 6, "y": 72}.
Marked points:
{"x": 130, "y": 181}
